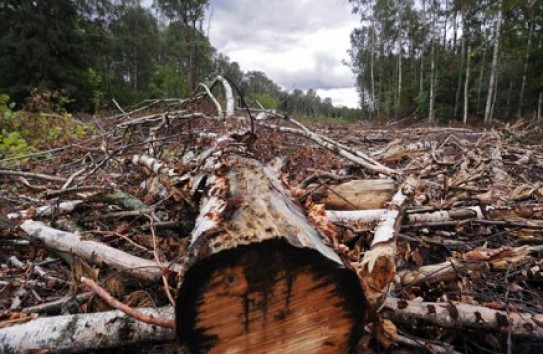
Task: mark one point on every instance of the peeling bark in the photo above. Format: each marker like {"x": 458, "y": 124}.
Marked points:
{"x": 262, "y": 277}
{"x": 467, "y": 316}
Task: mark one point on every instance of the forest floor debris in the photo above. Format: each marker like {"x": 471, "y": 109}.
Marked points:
{"x": 469, "y": 231}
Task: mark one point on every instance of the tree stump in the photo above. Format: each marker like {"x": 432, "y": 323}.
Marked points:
{"x": 262, "y": 279}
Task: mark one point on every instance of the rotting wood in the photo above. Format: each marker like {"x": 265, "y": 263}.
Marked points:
{"x": 354, "y": 195}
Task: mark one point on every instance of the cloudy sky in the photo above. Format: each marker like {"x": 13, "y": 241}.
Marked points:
{"x": 298, "y": 44}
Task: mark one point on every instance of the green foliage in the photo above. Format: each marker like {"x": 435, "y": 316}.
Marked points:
{"x": 43, "y": 122}
{"x": 391, "y": 31}
{"x": 11, "y": 142}
{"x": 95, "y": 83}
{"x": 13, "y": 145}
{"x": 421, "y": 101}
{"x": 266, "y": 100}
{"x": 171, "y": 82}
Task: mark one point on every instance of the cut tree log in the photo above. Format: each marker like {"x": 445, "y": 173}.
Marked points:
{"x": 262, "y": 278}
{"x": 354, "y": 195}
{"x": 83, "y": 332}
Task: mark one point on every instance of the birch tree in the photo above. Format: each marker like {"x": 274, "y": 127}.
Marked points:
{"x": 494, "y": 69}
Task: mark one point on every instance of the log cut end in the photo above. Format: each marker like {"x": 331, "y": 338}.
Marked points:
{"x": 270, "y": 297}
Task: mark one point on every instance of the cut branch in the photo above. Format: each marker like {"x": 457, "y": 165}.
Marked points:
{"x": 83, "y": 332}
{"x": 96, "y": 252}
{"x": 140, "y": 316}
{"x": 461, "y": 315}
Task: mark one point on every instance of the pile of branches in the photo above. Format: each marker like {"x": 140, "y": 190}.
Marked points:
{"x": 447, "y": 245}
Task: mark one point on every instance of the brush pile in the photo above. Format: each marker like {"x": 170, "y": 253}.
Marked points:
{"x": 442, "y": 227}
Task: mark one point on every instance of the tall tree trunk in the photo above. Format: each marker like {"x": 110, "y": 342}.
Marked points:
{"x": 431, "y": 110}
{"x": 539, "y": 104}
{"x": 455, "y": 29}
{"x": 399, "y": 98}
{"x": 526, "y": 57}
{"x": 480, "y": 82}
{"x": 363, "y": 95}
{"x": 372, "y": 78}
{"x": 421, "y": 80}
{"x": 466, "y": 85}
{"x": 462, "y": 56}
{"x": 495, "y": 95}
{"x": 381, "y": 79}
{"x": 444, "y": 46}
{"x": 494, "y": 69}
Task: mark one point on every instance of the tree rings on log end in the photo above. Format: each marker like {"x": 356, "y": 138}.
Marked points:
{"x": 270, "y": 297}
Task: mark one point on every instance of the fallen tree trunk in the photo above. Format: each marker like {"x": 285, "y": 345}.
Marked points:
{"x": 83, "y": 332}
{"x": 262, "y": 278}
{"x": 369, "y": 216}
{"x": 96, "y": 252}
{"x": 463, "y": 316}
{"x": 415, "y": 217}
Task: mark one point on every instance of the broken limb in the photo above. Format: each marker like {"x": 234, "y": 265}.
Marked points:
{"x": 140, "y": 316}
{"x": 83, "y": 332}
{"x": 96, "y": 252}
{"x": 365, "y": 161}
{"x": 463, "y": 315}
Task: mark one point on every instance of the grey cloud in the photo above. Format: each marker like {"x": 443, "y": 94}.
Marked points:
{"x": 281, "y": 26}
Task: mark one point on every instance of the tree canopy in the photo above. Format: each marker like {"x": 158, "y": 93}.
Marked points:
{"x": 449, "y": 59}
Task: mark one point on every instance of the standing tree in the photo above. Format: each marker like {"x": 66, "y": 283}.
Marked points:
{"x": 41, "y": 47}
{"x": 494, "y": 69}
{"x": 191, "y": 14}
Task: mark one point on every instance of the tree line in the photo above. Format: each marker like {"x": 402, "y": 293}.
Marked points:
{"x": 96, "y": 50}
{"x": 453, "y": 60}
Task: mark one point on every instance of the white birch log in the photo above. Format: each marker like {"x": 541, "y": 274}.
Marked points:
{"x": 83, "y": 332}
{"x": 153, "y": 164}
{"x": 47, "y": 210}
{"x": 397, "y": 152}
{"x": 96, "y": 252}
{"x": 445, "y": 271}
{"x": 220, "y": 113}
{"x": 493, "y": 212}
{"x": 370, "y": 216}
{"x": 230, "y": 107}
{"x": 463, "y": 316}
